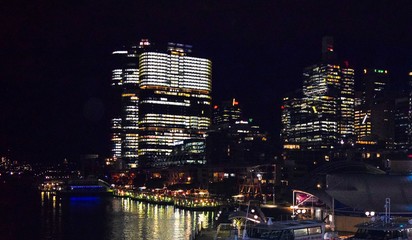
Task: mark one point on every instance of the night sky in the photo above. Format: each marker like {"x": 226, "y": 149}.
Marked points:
{"x": 55, "y": 95}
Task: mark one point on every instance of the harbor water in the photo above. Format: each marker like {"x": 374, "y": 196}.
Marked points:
{"x": 27, "y": 214}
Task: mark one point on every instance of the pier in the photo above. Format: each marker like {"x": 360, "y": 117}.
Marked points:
{"x": 199, "y": 200}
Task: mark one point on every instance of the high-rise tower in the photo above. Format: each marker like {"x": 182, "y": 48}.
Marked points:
{"x": 125, "y": 78}
{"x": 374, "y": 120}
{"x": 322, "y": 117}
{"x": 167, "y": 102}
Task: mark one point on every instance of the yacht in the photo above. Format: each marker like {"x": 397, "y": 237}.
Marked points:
{"x": 398, "y": 229}
{"x": 279, "y": 230}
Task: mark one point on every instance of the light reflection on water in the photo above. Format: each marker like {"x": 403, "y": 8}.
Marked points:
{"x": 116, "y": 218}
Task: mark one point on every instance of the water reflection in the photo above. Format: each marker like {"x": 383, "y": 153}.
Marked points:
{"x": 116, "y": 218}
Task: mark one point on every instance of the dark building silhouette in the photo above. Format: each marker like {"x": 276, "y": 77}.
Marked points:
{"x": 233, "y": 139}
{"x": 401, "y": 123}
{"x": 374, "y": 109}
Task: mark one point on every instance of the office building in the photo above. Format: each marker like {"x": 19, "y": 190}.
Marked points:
{"x": 401, "y": 123}
{"x": 169, "y": 102}
{"x": 374, "y": 108}
{"x": 321, "y": 117}
{"x": 125, "y": 76}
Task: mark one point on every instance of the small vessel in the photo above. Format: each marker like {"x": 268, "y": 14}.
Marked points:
{"x": 384, "y": 227}
{"x": 279, "y": 230}
{"x": 85, "y": 187}
{"x": 254, "y": 225}
{"x": 398, "y": 229}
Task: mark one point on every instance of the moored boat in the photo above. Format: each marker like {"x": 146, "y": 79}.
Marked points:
{"x": 85, "y": 187}
{"x": 278, "y": 230}
{"x": 254, "y": 225}
{"x": 399, "y": 229}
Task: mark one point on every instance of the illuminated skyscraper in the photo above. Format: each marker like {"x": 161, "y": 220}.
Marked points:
{"x": 167, "y": 101}
{"x": 347, "y": 103}
{"x": 175, "y": 101}
{"x": 125, "y": 76}
{"x": 293, "y": 117}
{"x": 323, "y": 116}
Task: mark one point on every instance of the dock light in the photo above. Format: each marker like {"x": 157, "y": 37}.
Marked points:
{"x": 303, "y": 210}
{"x": 299, "y": 211}
{"x": 367, "y": 213}
{"x": 253, "y": 210}
{"x": 255, "y": 217}
{"x": 372, "y": 213}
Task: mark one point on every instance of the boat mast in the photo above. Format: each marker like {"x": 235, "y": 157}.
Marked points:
{"x": 387, "y": 210}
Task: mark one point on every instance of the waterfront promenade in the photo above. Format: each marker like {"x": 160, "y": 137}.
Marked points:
{"x": 191, "y": 201}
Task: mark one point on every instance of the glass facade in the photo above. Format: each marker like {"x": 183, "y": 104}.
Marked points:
{"x": 325, "y": 113}
{"x": 347, "y": 104}
{"x": 321, "y": 115}
{"x": 125, "y": 79}
{"x": 167, "y": 100}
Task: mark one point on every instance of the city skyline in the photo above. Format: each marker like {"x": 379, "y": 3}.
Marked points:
{"x": 56, "y": 63}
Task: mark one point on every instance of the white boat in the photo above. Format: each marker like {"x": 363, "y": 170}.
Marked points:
{"x": 384, "y": 227}
{"x": 399, "y": 229}
{"x": 279, "y": 230}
